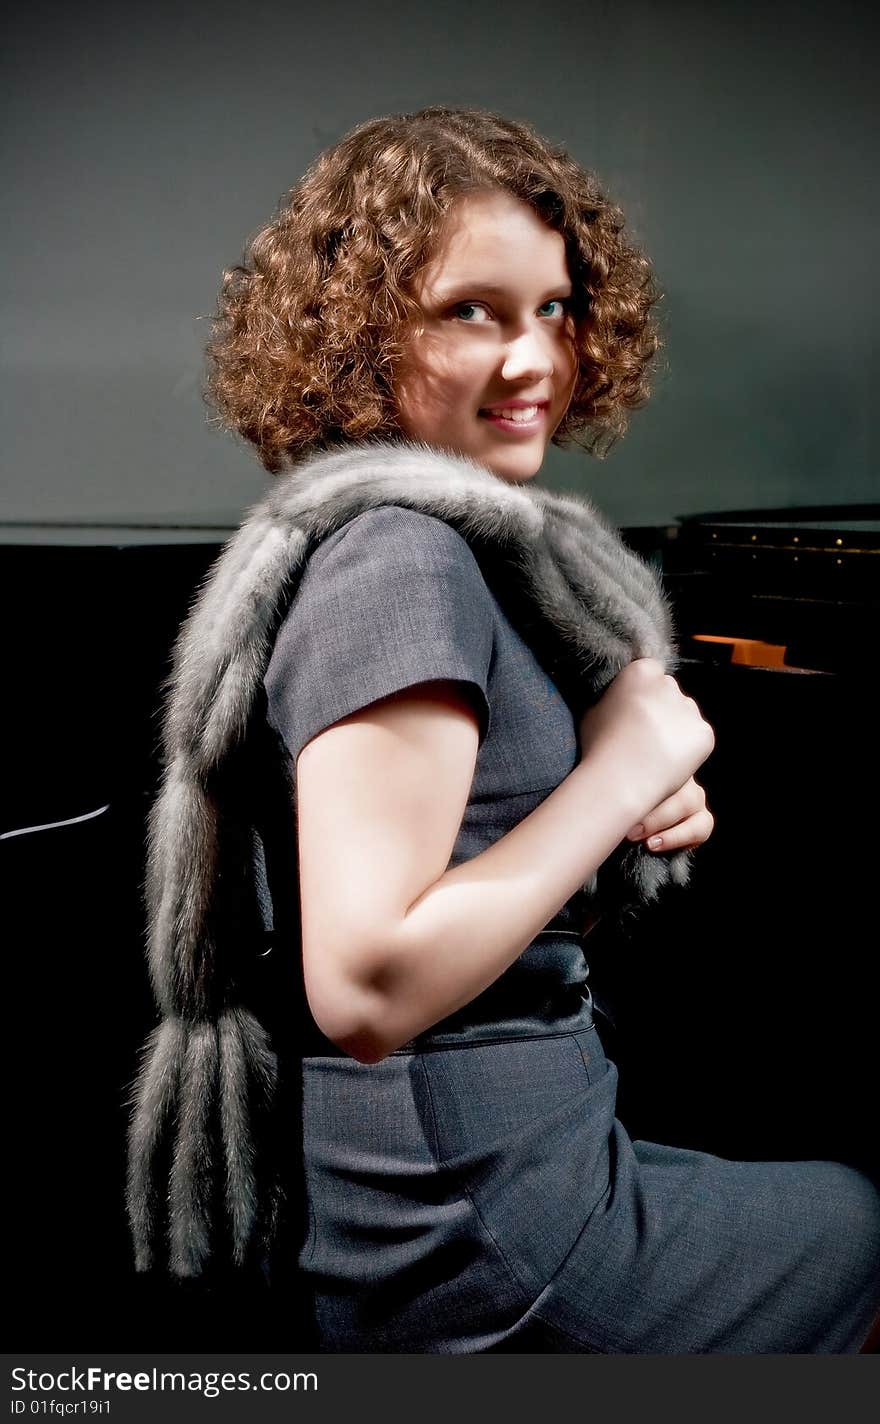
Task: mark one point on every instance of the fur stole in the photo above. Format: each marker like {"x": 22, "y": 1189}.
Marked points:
{"x": 202, "y": 1100}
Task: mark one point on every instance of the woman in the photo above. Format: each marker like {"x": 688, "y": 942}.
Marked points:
{"x": 457, "y": 723}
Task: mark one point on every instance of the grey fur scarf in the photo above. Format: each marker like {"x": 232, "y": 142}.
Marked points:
{"x": 203, "y": 1098}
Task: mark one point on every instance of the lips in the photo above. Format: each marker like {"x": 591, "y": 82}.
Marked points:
{"x": 528, "y": 423}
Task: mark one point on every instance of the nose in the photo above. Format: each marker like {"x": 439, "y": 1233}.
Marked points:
{"x": 527, "y": 358}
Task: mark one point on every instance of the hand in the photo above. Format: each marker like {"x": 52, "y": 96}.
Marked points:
{"x": 650, "y": 737}
{"x": 682, "y": 822}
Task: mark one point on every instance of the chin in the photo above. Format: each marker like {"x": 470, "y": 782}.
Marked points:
{"x": 515, "y": 466}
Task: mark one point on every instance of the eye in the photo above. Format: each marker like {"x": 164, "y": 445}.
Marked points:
{"x": 563, "y": 303}
{"x": 468, "y": 306}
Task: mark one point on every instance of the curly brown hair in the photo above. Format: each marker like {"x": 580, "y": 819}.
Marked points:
{"x": 311, "y": 326}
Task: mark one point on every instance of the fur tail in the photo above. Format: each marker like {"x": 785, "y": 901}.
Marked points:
{"x": 194, "y": 1193}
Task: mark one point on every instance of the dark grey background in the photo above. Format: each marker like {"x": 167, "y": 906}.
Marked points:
{"x": 143, "y": 144}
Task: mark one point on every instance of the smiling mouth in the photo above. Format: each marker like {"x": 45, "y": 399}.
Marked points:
{"x": 526, "y": 418}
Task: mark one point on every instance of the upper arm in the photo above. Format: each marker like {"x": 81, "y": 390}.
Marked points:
{"x": 380, "y": 801}
{"x": 378, "y": 684}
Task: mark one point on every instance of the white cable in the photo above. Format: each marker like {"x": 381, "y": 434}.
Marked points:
{"x": 53, "y": 825}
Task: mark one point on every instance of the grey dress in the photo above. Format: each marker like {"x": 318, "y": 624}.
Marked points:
{"x": 474, "y": 1191}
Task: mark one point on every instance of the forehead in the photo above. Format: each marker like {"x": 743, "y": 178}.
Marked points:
{"x": 495, "y": 237}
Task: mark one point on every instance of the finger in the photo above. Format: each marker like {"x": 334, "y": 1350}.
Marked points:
{"x": 687, "y": 801}
{"x": 693, "y": 831}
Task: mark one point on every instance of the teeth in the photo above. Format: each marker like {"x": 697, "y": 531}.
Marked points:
{"x": 521, "y": 414}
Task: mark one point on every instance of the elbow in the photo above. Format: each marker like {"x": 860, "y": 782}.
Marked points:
{"x": 363, "y": 1047}
{"x": 351, "y": 1019}
{"x": 357, "y": 1000}
{"x": 362, "y": 1044}
{"x": 375, "y": 1038}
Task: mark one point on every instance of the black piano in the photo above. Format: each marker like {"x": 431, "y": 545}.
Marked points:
{"x": 741, "y": 1010}
{"x": 744, "y": 1006}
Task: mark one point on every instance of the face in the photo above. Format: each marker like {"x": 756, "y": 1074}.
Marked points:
{"x": 497, "y": 333}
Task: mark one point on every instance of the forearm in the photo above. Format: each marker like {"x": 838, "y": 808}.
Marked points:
{"x": 468, "y": 927}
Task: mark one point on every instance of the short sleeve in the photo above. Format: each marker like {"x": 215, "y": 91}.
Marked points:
{"x": 393, "y": 599}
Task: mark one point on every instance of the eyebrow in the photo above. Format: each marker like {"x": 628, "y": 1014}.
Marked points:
{"x": 495, "y": 289}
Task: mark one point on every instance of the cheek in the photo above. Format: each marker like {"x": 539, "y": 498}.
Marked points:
{"x": 470, "y": 377}
{"x": 429, "y": 383}
{"x": 451, "y": 390}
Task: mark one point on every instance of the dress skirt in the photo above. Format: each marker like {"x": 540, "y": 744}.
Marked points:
{"x": 482, "y": 1196}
